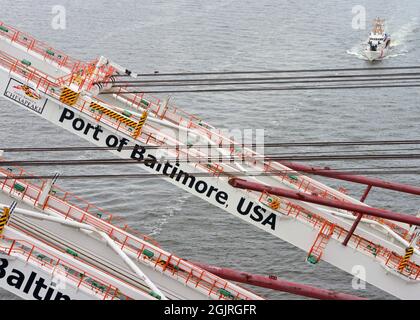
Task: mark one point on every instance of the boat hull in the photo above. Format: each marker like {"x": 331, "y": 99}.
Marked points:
{"x": 379, "y": 53}
{"x": 375, "y": 55}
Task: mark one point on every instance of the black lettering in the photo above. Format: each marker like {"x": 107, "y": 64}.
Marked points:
{"x": 60, "y": 296}
{"x": 241, "y": 203}
{"x": 203, "y": 189}
{"x": 66, "y": 115}
{"x": 16, "y": 280}
{"x": 78, "y": 124}
{"x": 211, "y": 189}
{"x": 221, "y": 197}
{"x": 39, "y": 285}
{"x": 49, "y": 293}
{"x": 174, "y": 171}
{"x": 271, "y": 220}
{"x": 258, "y": 214}
{"x": 186, "y": 177}
{"x": 98, "y": 130}
{"x": 88, "y": 127}
{"x": 159, "y": 165}
{"x": 30, "y": 282}
{"x": 138, "y": 153}
{"x": 123, "y": 142}
{"x": 166, "y": 167}
{"x": 111, "y": 141}
{"x": 3, "y": 266}
{"x": 150, "y": 161}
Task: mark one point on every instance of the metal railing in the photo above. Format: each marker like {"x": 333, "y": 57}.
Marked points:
{"x": 31, "y": 44}
{"x": 65, "y": 203}
{"x": 307, "y": 185}
{"x": 142, "y": 249}
{"x": 58, "y": 267}
{"x": 41, "y": 80}
{"x": 386, "y": 256}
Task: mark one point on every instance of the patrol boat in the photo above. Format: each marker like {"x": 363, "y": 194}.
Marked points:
{"x": 379, "y": 42}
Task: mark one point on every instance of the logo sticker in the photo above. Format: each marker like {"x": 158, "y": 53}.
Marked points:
{"x": 25, "y": 95}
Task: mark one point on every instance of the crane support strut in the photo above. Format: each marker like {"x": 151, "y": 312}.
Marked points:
{"x": 373, "y": 182}
{"x": 275, "y": 283}
{"x": 381, "y": 213}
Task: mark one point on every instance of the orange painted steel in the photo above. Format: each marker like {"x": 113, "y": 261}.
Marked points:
{"x": 381, "y": 213}
{"x": 387, "y": 257}
{"x": 277, "y": 284}
{"x": 49, "y": 261}
{"x": 372, "y": 182}
{"x": 178, "y": 267}
{"x": 39, "y": 47}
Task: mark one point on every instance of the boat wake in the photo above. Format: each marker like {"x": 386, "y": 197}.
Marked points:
{"x": 401, "y": 43}
{"x": 167, "y": 214}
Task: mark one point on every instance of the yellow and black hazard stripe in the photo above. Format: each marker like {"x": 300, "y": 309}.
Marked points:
{"x": 404, "y": 261}
{"x": 113, "y": 114}
{"x": 69, "y": 96}
{"x": 4, "y": 218}
{"x": 140, "y": 124}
